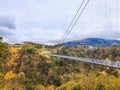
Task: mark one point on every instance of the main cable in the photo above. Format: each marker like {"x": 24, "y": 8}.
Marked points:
{"x": 74, "y": 22}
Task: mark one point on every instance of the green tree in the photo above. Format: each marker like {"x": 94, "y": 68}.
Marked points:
{"x": 76, "y": 87}
{"x": 2, "y": 49}
{"x": 1, "y": 39}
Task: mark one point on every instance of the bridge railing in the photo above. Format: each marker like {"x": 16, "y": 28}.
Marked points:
{"x": 109, "y": 63}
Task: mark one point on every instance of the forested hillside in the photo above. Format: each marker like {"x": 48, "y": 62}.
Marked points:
{"x": 24, "y": 67}
{"x": 106, "y": 53}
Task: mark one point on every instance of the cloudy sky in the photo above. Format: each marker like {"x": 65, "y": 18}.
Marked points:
{"x": 47, "y": 20}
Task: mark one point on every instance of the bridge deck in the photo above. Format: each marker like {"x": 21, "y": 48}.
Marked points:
{"x": 115, "y": 64}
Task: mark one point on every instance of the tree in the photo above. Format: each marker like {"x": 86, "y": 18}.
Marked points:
{"x": 2, "y": 49}
{"x": 76, "y": 87}
{"x": 1, "y": 39}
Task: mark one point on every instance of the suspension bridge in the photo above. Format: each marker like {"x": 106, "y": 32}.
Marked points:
{"x": 108, "y": 63}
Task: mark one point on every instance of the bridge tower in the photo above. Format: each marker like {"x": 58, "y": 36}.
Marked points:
{"x": 43, "y": 49}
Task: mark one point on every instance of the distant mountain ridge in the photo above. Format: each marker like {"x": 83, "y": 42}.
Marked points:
{"x": 93, "y": 42}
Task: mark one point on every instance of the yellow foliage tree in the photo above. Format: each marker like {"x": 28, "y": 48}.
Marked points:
{"x": 39, "y": 87}
{"x": 10, "y": 75}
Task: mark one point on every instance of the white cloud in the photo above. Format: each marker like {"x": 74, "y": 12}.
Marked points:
{"x": 34, "y": 35}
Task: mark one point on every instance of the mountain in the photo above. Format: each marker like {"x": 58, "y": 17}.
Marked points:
{"x": 93, "y": 42}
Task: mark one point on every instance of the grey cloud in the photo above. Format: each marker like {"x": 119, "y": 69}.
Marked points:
{"x": 7, "y": 21}
{"x": 5, "y": 32}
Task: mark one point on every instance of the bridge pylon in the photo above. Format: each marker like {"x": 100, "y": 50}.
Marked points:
{"x": 43, "y": 49}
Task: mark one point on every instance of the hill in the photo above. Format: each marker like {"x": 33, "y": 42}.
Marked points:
{"x": 93, "y": 42}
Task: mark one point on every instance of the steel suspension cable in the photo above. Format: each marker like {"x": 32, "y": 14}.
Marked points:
{"x": 75, "y": 21}
{"x": 72, "y": 21}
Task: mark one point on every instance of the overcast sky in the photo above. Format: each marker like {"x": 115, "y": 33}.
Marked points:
{"x": 47, "y": 20}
